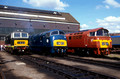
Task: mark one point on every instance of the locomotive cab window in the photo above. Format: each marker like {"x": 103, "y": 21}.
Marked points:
{"x": 16, "y": 34}
{"x": 102, "y": 32}
{"x": 54, "y": 33}
{"x": 24, "y": 34}
{"x": 61, "y": 33}
{"x": 106, "y": 33}
{"x": 92, "y": 33}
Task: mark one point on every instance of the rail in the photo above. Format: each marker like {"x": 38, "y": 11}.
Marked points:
{"x": 69, "y": 72}
{"x": 2, "y": 75}
{"x": 95, "y": 62}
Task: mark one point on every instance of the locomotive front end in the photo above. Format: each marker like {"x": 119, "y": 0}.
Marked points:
{"x": 60, "y": 45}
{"x": 105, "y": 43}
{"x": 59, "y": 42}
{"x": 21, "y": 45}
{"x": 103, "y": 46}
{"x": 17, "y": 42}
{"x": 102, "y": 42}
{"x": 21, "y": 41}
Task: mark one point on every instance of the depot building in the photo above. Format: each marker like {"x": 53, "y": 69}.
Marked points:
{"x": 34, "y": 21}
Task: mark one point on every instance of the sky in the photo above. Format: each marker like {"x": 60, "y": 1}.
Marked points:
{"x": 89, "y": 13}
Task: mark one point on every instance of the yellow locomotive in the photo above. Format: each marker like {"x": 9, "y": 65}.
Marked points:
{"x": 17, "y": 42}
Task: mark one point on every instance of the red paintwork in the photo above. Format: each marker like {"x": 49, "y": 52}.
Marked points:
{"x": 83, "y": 40}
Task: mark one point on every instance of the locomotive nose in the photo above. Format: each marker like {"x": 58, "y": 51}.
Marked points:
{"x": 21, "y": 42}
{"x": 105, "y": 43}
{"x": 60, "y": 43}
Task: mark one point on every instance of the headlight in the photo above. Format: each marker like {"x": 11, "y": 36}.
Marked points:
{"x": 62, "y": 43}
{"x": 107, "y": 43}
{"x": 103, "y": 43}
{"x": 53, "y": 37}
{"x": 58, "y": 43}
{"x": 64, "y": 36}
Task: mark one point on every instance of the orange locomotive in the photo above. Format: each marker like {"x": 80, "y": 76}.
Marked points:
{"x": 93, "y": 41}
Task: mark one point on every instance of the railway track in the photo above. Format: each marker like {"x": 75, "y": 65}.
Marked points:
{"x": 112, "y": 58}
{"x": 68, "y": 72}
{"x": 2, "y": 76}
{"x": 95, "y": 62}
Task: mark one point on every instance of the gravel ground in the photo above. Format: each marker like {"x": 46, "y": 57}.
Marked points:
{"x": 114, "y": 56}
{"x": 18, "y": 69}
{"x": 94, "y": 68}
{"x": 14, "y": 68}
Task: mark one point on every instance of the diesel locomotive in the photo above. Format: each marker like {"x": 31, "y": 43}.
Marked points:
{"x": 93, "y": 41}
{"x": 17, "y": 42}
{"x": 51, "y": 42}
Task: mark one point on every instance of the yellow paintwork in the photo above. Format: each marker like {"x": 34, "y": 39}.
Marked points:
{"x": 55, "y": 43}
{"x": 103, "y": 46}
{"x": 10, "y": 46}
{"x": 16, "y": 43}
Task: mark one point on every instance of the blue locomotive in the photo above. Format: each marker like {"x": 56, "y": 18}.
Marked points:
{"x": 53, "y": 41}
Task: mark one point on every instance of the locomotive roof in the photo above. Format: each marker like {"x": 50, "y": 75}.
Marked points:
{"x": 51, "y": 31}
{"x": 86, "y": 31}
{"x": 95, "y": 29}
{"x": 77, "y": 31}
{"x": 18, "y": 31}
{"x": 14, "y": 32}
{"x": 43, "y": 33}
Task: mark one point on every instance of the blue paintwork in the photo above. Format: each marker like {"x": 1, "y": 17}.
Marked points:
{"x": 115, "y": 36}
{"x": 116, "y": 44}
{"x": 36, "y": 44}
